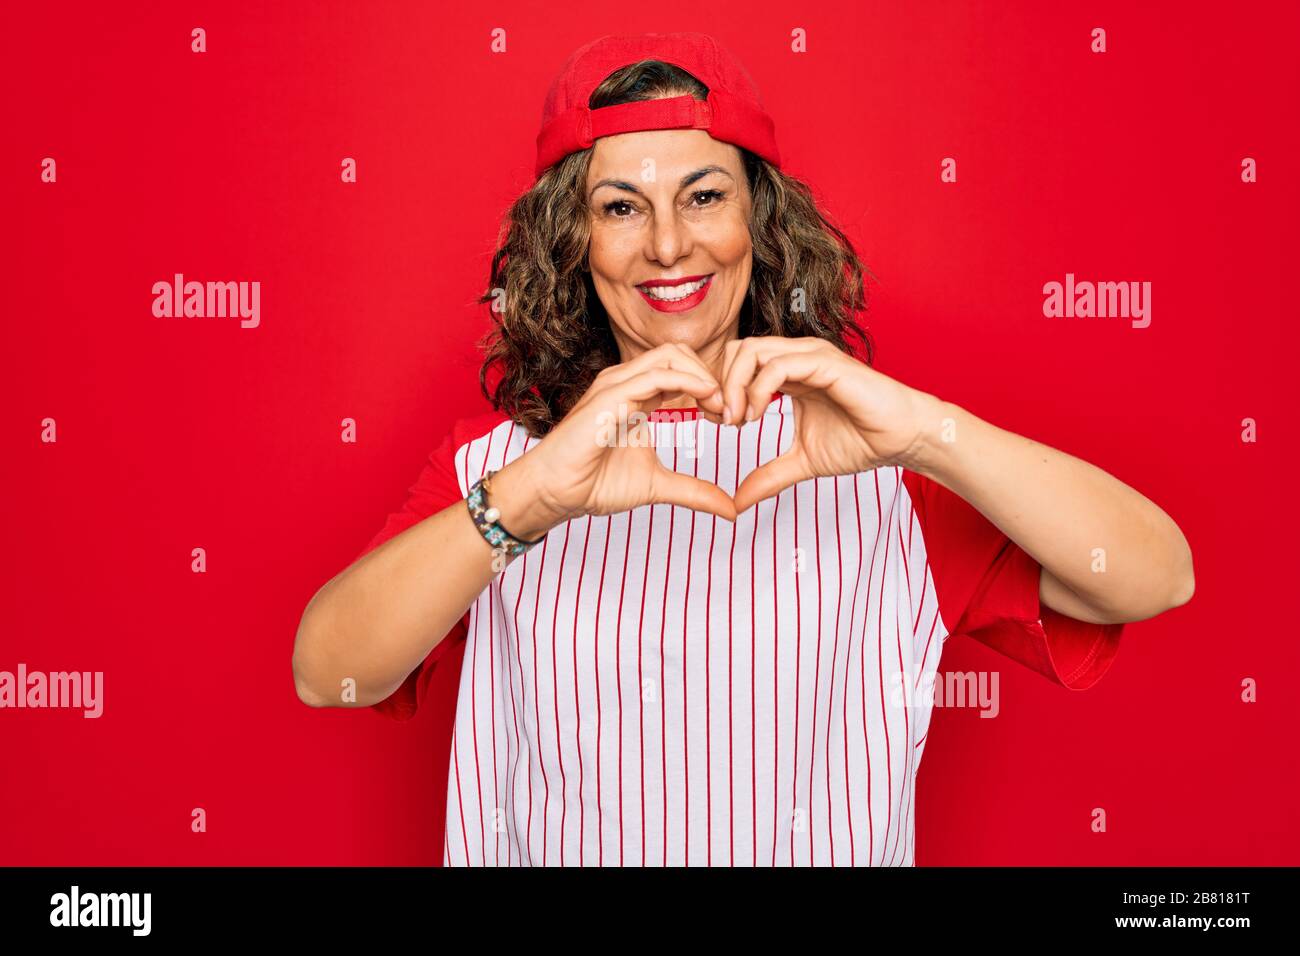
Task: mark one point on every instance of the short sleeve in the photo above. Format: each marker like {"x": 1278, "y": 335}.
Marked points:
{"x": 987, "y": 588}
{"x": 436, "y": 487}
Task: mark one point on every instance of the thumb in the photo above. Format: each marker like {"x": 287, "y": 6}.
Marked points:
{"x": 674, "y": 488}
{"x": 770, "y": 479}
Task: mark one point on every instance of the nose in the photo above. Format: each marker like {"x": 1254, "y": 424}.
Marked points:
{"x": 669, "y": 237}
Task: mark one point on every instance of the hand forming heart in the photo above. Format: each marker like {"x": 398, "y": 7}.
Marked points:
{"x": 848, "y": 418}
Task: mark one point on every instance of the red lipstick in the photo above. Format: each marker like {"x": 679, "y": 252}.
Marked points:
{"x": 679, "y": 305}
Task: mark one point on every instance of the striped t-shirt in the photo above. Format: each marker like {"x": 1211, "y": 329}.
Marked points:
{"x": 663, "y": 687}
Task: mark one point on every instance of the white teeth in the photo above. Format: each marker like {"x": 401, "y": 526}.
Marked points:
{"x": 674, "y": 293}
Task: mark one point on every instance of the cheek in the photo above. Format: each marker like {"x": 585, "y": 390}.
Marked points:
{"x": 732, "y": 245}
{"x": 609, "y": 253}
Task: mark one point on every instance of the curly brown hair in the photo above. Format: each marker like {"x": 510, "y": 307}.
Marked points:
{"x": 550, "y": 334}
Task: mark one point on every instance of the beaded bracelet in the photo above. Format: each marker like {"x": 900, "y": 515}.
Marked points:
{"x": 487, "y": 519}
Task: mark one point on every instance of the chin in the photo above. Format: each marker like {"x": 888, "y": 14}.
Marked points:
{"x": 684, "y": 331}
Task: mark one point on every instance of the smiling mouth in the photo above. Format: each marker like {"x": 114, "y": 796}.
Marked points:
{"x": 674, "y": 293}
{"x": 676, "y": 297}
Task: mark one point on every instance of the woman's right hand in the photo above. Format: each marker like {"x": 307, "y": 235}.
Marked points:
{"x": 597, "y": 462}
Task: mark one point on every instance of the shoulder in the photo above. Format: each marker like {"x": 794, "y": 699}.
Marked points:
{"x": 444, "y": 477}
{"x": 475, "y": 438}
{"x": 481, "y": 426}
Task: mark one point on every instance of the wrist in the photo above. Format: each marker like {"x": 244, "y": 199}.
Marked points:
{"x": 937, "y": 423}
{"x": 518, "y": 493}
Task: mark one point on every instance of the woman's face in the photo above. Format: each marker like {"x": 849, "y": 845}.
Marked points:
{"x": 669, "y": 205}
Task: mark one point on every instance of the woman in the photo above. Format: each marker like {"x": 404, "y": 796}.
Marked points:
{"x": 717, "y": 555}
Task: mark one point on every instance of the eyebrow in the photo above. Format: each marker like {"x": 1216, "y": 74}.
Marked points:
{"x": 685, "y": 181}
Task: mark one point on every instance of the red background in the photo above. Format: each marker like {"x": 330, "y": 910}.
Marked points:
{"x": 183, "y": 433}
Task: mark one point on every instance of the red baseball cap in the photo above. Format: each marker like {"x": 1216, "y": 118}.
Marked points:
{"x": 733, "y": 112}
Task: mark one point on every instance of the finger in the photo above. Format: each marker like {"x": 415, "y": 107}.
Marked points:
{"x": 770, "y": 479}
{"x": 715, "y": 417}
{"x": 647, "y": 390}
{"x": 731, "y": 415}
{"x": 791, "y": 372}
{"x": 695, "y": 361}
{"x": 691, "y": 361}
{"x": 671, "y": 355}
{"x": 706, "y": 411}
{"x": 660, "y": 355}
{"x": 748, "y": 357}
{"x": 674, "y": 488}
{"x": 681, "y": 358}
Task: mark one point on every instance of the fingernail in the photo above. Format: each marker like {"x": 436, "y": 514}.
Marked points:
{"x": 727, "y": 414}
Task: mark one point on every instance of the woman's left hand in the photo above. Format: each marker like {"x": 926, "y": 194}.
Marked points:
{"x": 847, "y": 416}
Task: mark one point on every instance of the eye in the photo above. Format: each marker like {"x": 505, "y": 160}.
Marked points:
{"x": 713, "y": 194}
{"x": 609, "y": 208}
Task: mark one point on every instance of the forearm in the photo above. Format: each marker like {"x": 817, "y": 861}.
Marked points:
{"x": 377, "y": 620}
{"x": 1069, "y": 515}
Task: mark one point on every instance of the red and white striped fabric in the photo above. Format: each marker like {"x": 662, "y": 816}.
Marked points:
{"x": 661, "y": 687}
